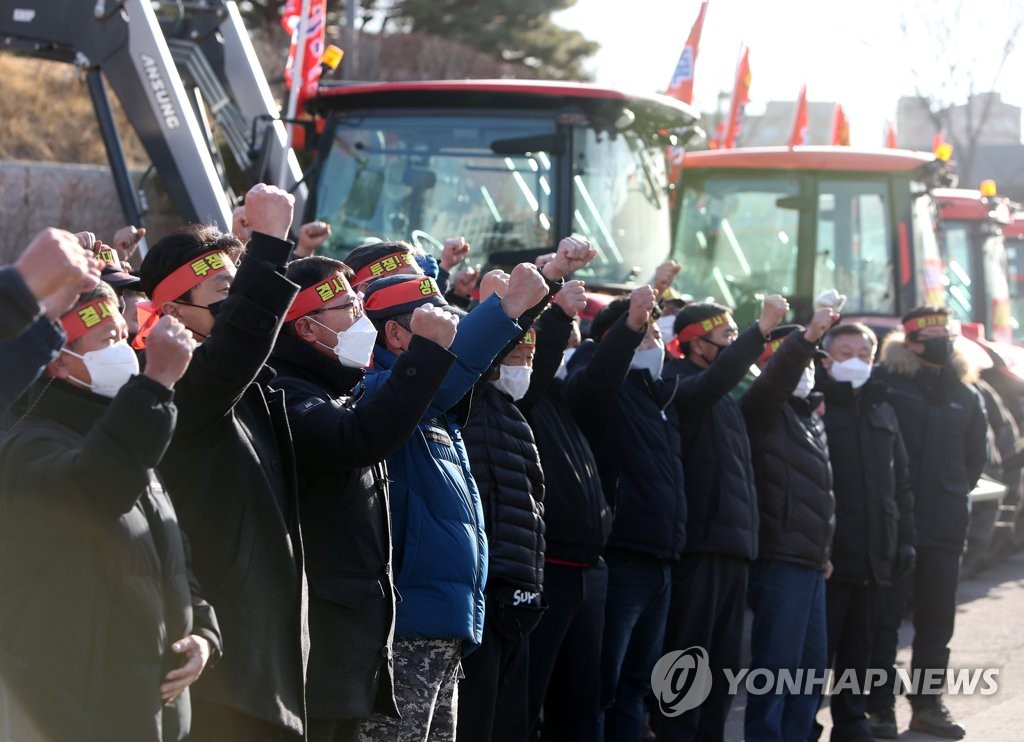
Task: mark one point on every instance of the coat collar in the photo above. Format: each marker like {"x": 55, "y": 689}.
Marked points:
{"x": 327, "y": 372}
{"x": 64, "y": 403}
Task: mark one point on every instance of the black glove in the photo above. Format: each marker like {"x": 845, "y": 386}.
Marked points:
{"x": 906, "y": 559}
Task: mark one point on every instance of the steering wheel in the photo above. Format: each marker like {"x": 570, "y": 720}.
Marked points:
{"x": 427, "y": 242}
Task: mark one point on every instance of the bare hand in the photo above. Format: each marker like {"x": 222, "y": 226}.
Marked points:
{"x": 239, "y": 225}
{"x": 87, "y": 240}
{"x": 772, "y": 313}
{"x": 196, "y": 651}
{"x": 455, "y": 251}
{"x": 126, "y": 241}
{"x": 572, "y": 298}
{"x": 464, "y": 282}
{"x": 526, "y": 287}
{"x": 828, "y": 569}
{"x": 63, "y": 299}
{"x": 269, "y": 209}
{"x": 55, "y": 260}
{"x": 493, "y": 282}
{"x": 821, "y": 322}
{"x": 435, "y": 324}
{"x": 641, "y": 302}
{"x": 168, "y": 351}
{"x": 573, "y": 253}
{"x": 311, "y": 236}
{"x": 665, "y": 274}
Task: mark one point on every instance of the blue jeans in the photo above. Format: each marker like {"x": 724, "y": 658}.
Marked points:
{"x": 788, "y": 633}
{"x": 639, "y": 588}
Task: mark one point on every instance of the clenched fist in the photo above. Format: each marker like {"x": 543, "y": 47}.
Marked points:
{"x": 665, "y": 274}
{"x": 572, "y": 298}
{"x": 772, "y": 313}
{"x": 168, "y": 351}
{"x": 821, "y": 322}
{"x": 526, "y": 287}
{"x": 642, "y": 301}
{"x": 435, "y": 324}
{"x": 56, "y": 260}
{"x": 455, "y": 251}
{"x": 573, "y": 253}
{"x": 269, "y": 209}
{"x": 311, "y": 236}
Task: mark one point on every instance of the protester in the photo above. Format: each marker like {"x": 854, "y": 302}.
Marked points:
{"x": 230, "y": 468}
{"x": 309, "y": 238}
{"x": 453, "y": 252}
{"x": 618, "y": 398}
{"x": 341, "y": 438}
{"x": 439, "y": 544}
{"x": 722, "y": 520}
{"x": 102, "y": 630}
{"x": 797, "y": 518}
{"x": 565, "y": 648}
{"x": 943, "y": 425}
{"x": 377, "y": 259}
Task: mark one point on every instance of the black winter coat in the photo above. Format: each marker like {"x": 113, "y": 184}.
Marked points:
{"x": 506, "y": 467}
{"x": 94, "y": 578}
{"x": 633, "y": 428}
{"x": 20, "y": 308}
{"x": 874, "y": 502}
{"x": 943, "y": 426}
{"x": 721, "y": 498}
{"x": 340, "y": 445}
{"x": 577, "y": 519}
{"x": 231, "y": 474}
{"x": 791, "y": 465}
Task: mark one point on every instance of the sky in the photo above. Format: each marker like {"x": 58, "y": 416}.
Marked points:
{"x": 850, "y": 51}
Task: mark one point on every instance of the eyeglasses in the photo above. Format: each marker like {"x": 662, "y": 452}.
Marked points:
{"x": 354, "y": 307}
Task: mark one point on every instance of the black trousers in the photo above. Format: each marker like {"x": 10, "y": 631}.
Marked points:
{"x": 709, "y": 596}
{"x": 565, "y": 654}
{"x": 934, "y": 584}
{"x": 850, "y": 611}
{"x": 333, "y": 730}
{"x": 493, "y": 693}
{"x": 213, "y": 722}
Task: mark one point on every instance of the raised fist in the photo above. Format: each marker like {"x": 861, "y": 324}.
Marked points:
{"x": 311, "y": 236}
{"x": 169, "y": 349}
{"x": 821, "y": 322}
{"x": 665, "y": 274}
{"x": 526, "y": 287}
{"x": 573, "y": 253}
{"x": 465, "y": 281}
{"x": 772, "y": 313}
{"x": 269, "y": 209}
{"x": 56, "y": 260}
{"x": 572, "y": 298}
{"x": 126, "y": 241}
{"x": 494, "y": 282}
{"x": 455, "y": 251}
{"x": 435, "y": 324}
{"x": 642, "y": 301}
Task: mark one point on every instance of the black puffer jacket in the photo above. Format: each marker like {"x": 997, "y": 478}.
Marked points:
{"x": 633, "y": 428}
{"x": 943, "y": 426}
{"x": 791, "y": 465}
{"x": 577, "y": 519}
{"x": 874, "y": 502}
{"x": 95, "y": 583}
{"x": 720, "y": 495}
{"x": 506, "y": 467}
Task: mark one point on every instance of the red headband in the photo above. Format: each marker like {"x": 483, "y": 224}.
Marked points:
{"x": 189, "y": 276}
{"x": 769, "y": 348}
{"x": 702, "y": 327}
{"x": 529, "y": 338}
{"x": 402, "y": 293}
{"x": 314, "y": 297}
{"x": 382, "y": 266}
{"x": 88, "y": 317}
{"x": 928, "y": 320}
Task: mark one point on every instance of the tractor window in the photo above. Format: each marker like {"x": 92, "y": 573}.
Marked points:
{"x": 956, "y": 240}
{"x": 853, "y": 245}
{"x": 737, "y": 238}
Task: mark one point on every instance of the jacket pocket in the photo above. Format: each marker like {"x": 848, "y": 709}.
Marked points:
{"x": 349, "y": 592}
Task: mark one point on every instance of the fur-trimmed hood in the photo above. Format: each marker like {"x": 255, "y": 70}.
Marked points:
{"x": 900, "y": 360}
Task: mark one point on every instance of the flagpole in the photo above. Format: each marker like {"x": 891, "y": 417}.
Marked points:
{"x": 298, "y": 82}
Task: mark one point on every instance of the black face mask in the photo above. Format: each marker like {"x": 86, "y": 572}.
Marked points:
{"x": 937, "y": 350}
{"x": 707, "y": 360}
{"x": 213, "y": 307}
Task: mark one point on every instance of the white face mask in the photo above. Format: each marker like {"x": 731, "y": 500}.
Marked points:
{"x": 665, "y": 324}
{"x": 563, "y": 368}
{"x": 652, "y": 359}
{"x": 355, "y": 345}
{"x": 853, "y": 370}
{"x": 806, "y": 383}
{"x": 109, "y": 368}
{"x": 513, "y": 380}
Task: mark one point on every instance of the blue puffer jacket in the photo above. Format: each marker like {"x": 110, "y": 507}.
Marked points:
{"x": 439, "y": 542}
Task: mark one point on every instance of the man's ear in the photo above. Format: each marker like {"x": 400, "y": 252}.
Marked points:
{"x": 394, "y": 335}
{"x": 171, "y": 309}
{"x": 57, "y": 369}
{"x": 304, "y": 330}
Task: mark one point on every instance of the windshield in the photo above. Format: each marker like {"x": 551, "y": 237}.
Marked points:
{"x": 739, "y": 236}
{"x": 496, "y": 181}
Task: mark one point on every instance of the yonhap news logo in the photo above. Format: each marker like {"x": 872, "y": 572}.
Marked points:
{"x": 681, "y": 680}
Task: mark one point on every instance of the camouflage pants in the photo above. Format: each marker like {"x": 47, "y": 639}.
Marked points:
{"x": 427, "y": 674}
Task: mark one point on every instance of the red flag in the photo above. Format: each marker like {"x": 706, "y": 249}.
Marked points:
{"x": 840, "y": 127}
{"x": 801, "y": 123}
{"x": 740, "y": 96}
{"x": 316, "y": 27}
{"x": 681, "y": 86}
{"x": 890, "y": 136}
